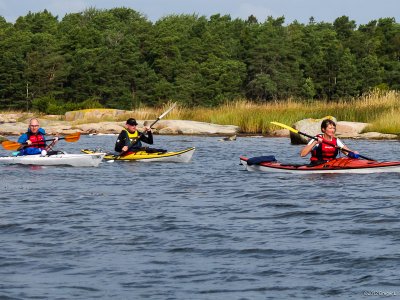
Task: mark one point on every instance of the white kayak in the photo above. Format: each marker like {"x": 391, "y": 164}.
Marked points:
{"x": 59, "y": 159}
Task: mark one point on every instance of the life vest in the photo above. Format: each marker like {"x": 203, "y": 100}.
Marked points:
{"x": 120, "y": 143}
{"x": 324, "y": 152}
{"x": 37, "y": 140}
{"x": 132, "y": 136}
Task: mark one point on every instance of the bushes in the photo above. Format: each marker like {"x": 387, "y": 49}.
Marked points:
{"x": 50, "y": 106}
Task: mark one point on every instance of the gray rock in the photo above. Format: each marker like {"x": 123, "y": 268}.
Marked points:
{"x": 376, "y": 136}
{"x": 192, "y": 127}
{"x": 281, "y": 133}
{"x": 95, "y": 114}
{"x": 101, "y": 127}
{"x": 229, "y": 138}
{"x": 346, "y": 129}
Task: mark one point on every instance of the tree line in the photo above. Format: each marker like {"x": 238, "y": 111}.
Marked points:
{"x": 117, "y": 58}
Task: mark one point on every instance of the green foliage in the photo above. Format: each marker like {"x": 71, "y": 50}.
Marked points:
{"x": 90, "y": 103}
{"x": 42, "y": 104}
{"x": 308, "y": 91}
{"x": 117, "y": 58}
{"x": 49, "y": 105}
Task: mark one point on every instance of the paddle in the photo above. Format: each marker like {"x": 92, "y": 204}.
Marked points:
{"x": 350, "y": 153}
{"x": 152, "y": 124}
{"x": 10, "y": 145}
{"x": 163, "y": 115}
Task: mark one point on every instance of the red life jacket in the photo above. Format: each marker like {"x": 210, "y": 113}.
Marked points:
{"x": 324, "y": 152}
{"x": 37, "y": 141}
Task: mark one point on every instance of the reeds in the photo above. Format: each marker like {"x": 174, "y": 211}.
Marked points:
{"x": 378, "y": 108}
{"x": 388, "y": 122}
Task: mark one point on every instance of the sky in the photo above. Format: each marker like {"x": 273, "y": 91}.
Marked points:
{"x": 361, "y": 11}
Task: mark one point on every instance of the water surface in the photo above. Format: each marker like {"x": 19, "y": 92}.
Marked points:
{"x": 203, "y": 230}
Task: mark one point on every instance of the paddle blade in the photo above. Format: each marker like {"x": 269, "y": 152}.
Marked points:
{"x": 165, "y": 113}
{"x": 285, "y": 126}
{"x": 162, "y": 116}
{"x": 10, "y": 145}
{"x": 73, "y": 137}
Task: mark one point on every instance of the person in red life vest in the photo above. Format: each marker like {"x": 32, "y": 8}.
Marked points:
{"x": 33, "y": 141}
{"x": 327, "y": 146}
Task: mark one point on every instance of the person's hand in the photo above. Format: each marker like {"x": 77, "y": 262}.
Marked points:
{"x": 147, "y": 129}
{"x": 320, "y": 140}
{"x": 124, "y": 148}
{"x": 29, "y": 142}
{"x": 353, "y": 155}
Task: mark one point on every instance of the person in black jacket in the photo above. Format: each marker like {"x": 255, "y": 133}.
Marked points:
{"x": 130, "y": 139}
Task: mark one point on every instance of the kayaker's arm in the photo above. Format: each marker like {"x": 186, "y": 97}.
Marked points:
{"x": 123, "y": 136}
{"x": 24, "y": 141}
{"x": 308, "y": 148}
{"x": 149, "y": 138}
{"x": 23, "y": 138}
{"x": 344, "y": 149}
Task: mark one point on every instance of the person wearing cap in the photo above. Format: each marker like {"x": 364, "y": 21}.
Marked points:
{"x": 130, "y": 139}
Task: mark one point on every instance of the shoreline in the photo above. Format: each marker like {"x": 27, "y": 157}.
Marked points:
{"x": 15, "y": 124}
{"x": 223, "y": 137}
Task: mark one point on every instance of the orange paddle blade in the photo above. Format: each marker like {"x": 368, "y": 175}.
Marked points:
{"x": 10, "y": 145}
{"x": 73, "y": 137}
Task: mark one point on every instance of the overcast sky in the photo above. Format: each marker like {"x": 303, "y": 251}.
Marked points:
{"x": 361, "y": 11}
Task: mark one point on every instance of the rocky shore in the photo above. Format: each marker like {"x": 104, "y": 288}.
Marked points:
{"x": 16, "y": 124}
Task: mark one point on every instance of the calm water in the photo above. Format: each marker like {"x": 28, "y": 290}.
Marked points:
{"x": 203, "y": 230}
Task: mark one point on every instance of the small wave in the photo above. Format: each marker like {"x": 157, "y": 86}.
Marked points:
{"x": 295, "y": 214}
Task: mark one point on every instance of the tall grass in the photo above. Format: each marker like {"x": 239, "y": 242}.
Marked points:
{"x": 388, "y": 122}
{"x": 376, "y": 108}
{"x": 379, "y": 109}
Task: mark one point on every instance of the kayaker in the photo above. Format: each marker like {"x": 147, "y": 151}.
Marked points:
{"x": 324, "y": 149}
{"x": 130, "y": 139}
{"x": 33, "y": 141}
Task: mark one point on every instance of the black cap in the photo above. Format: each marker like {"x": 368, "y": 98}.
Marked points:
{"x": 131, "y": 121}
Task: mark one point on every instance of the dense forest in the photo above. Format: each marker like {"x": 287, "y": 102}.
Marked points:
{"x": 117, "y": 58}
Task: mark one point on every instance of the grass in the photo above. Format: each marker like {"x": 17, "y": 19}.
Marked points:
{"x": 379, "y": 109}
{"x": 388, "y": 122}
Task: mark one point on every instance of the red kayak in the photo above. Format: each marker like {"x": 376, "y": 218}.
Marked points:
{"x": 339, "y": 165}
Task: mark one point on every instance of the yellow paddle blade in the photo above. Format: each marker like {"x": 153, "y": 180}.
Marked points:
{"x": 285, "y": 126}
{"x": 73, "y": 137}
{"x": 10, "y": 145}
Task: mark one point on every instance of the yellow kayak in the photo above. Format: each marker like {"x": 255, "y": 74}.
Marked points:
{"x": 183, "y": 156}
